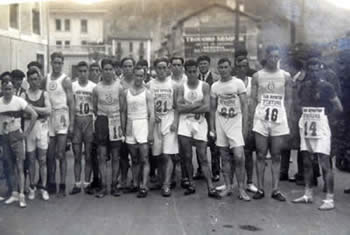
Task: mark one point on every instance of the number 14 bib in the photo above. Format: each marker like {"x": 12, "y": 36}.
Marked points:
{"x": 312, "y": 122}
{"x": 271, "y": 108}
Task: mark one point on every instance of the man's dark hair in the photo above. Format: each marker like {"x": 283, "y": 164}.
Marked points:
{"x": 241, "y": 52}
{"x": 105, "y": 62}
{"x": 271, "y": 48}
{"x": 83, "y": 64}
{"x": 30, "y": 72}
{"x": 313, "y": 61}
{"x": 159, "y": 60}
{"x": 139, "y": 67}
{"x": 116, "y": 64}
{"x": 4, "y": 74}
{"x": 94, "y": 65}
{"x": 142, "y": 63}
{"x": 223, "y": 60}
{"x": 177, "y": 58}
{"x": 190, "y": 63}
{"x": 15, "y": 74}
{"x": 57, "y": 55}
{"x": 34, "y": 63}
{"x": 203, "y": 58}
{"x": 127, "y": 58}
{"x": 295, "y": 63}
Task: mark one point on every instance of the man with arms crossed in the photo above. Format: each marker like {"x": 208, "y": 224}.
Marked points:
{"x": 83, "y": 127}
{"x": 59, "y": 87}
{"x": 229, "y": 125}
{"x": 106, "y": 105}
{"x": 271, "y": 95}
{"x": 317, "y": 99}
{"x": 138, "y": 124}
{"x": 11, "y": 111}
{"x": 193, "y": 101}
{"x": 38, "y": 139}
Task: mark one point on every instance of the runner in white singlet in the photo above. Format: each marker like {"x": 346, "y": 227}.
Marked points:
{"x": 271, "y": 102}
{"x": 83, "y": 128}
{"x": 61, "y": 122}
{"x": 193, "y": 102}
{"x": 139, "y": 116}
{"x": 166, "y": 122}
{"x": 108, "y": 131}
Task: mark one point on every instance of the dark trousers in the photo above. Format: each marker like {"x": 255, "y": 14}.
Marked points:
{"x": 300, "y": 164}
{"x": 6, "y": 156}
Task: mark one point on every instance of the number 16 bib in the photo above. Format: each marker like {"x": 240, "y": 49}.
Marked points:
{"x": 271, "y": 107}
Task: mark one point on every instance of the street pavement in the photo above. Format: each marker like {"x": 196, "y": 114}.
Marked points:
{"x": 178, "y": 215}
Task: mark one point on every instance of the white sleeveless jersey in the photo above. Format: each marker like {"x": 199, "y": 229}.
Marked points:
{"x": 192, "y": 96}
{"x": 271, "y": 95}
{"x": 163, "y": 94}
{"x": 83, "y": 98}
{"x": 56, "y": 92}
{"x": 137, "y": 105}
{"x": 108, "y": 99}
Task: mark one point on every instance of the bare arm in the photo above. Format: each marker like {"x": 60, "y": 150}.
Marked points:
{"x": 338, "y": 107}
{"x": 150, "y": 110}
{"x": 288, "y": 95}
{"x": 44, "y": 110}
{"x": 33, "y": 116}
{"x": 94, "y": 101}
{"x": 244, "y": 107}
{"x": 123, "y": 110}
{"x": 213, "y": 106}
{"x": 67, "y": 85}
{"x": 254, "y": 93}
{"x": 175, "y": 123}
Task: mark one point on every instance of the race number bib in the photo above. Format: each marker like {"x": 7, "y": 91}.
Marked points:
{"x": 7, "y": 124}
{"x": 162, "y": 106}
{"x": 163, "y": 102}
{"x": 312, "y": 121}
{"x": 227, "y": 105}
{"x": 271, "y": 107}
{"x": 61, "y": 119}
{"x": 115, "y": 129}
{"x": 198, "y": 117}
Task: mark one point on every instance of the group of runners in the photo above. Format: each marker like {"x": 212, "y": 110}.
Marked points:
{"x": 115, "y": 111}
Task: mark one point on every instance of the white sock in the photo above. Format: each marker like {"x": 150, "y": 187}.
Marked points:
{"x": 78, "y": 184}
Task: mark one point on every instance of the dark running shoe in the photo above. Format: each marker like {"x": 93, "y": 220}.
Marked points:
{"x": 190, "y": 190}
{"x": 259, "y": 195}
{"x": 277, "y": 195}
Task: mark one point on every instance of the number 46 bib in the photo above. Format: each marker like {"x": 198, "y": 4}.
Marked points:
{"x": 312, "y": 122}
{"x": 272, "y": 108}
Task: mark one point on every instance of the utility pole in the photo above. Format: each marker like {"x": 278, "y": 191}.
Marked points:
{"x": 237, "y": 25}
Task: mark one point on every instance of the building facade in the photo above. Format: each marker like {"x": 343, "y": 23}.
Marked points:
{"x": 211, "y": 31}
{"x": 134, "y": 45}
{"x": 78, "y": 32}
{"x": 23, "y": 35}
